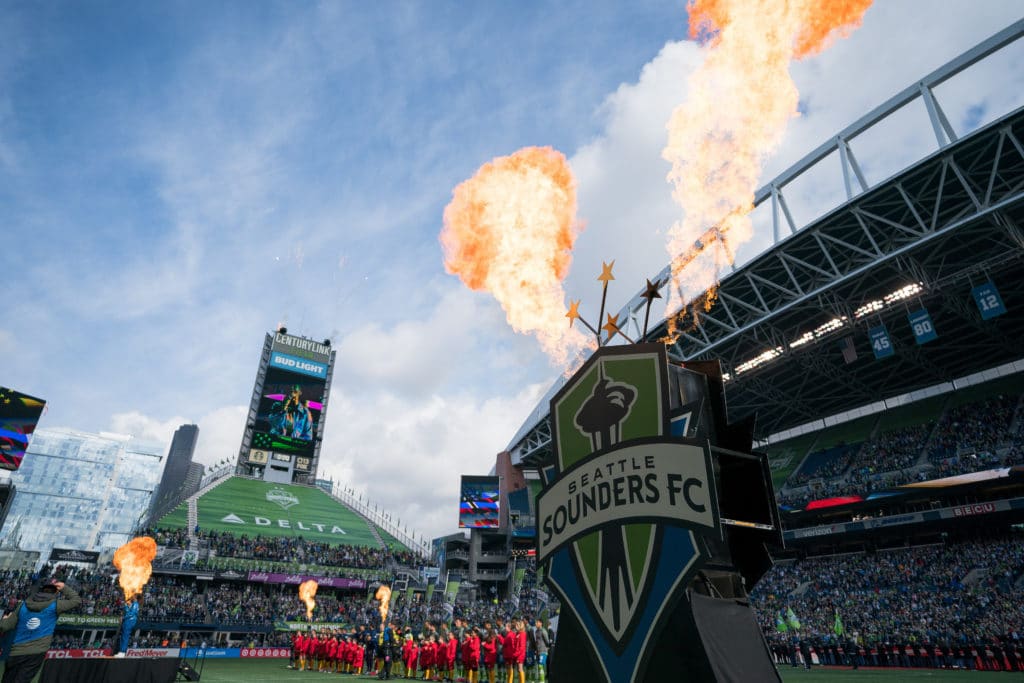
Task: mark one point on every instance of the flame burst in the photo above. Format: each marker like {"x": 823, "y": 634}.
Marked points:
{"x": 135, "y": 562}
{"x": 509, "y": 230}
{"x": 735, "y": 115}
{"x": 384, "y": 595}
{"x": 307, "y": 593}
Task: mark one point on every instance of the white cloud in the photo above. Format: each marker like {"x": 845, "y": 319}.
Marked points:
{"x": 220, "y": 431}
{"x": 623, "y": 195}
{"x": 145, "y": 428}
{"x": 407, "y": 453}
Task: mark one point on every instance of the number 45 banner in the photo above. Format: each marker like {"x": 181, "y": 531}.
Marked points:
{"x": 881, "y": 344}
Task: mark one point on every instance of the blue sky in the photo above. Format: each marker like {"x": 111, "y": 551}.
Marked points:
{"x": 178, "y": 178}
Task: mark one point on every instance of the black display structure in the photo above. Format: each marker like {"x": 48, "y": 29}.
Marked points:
{"x": 653, "y": 524}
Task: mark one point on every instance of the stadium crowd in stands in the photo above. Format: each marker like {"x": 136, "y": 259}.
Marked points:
{"x": 302, "y": 551}
{"x": 968, "y": 438}
{"x": 980, "y": 426}
{"x": 958, "y": 595}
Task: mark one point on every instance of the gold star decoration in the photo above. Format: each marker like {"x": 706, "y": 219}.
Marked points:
{"x": 574, "y": 312}
{"x": 612, "y": 326}
{"x": 651, "y": 293}
{"x": 606, "y": 272}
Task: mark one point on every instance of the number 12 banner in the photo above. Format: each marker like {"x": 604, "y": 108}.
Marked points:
{"x": 989, "y": 302}
{"x": 921, "y": 324}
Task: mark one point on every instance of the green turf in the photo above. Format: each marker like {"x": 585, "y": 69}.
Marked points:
{"x": 817, "y": 675}
{"x": 847, "y": 433}
{"x": 390, "y": 541}
{"x": 980, "y": 392}
{"x": 272, "y": 670}
{"x": 175, "y": 519}
{"x": 784, "y": 457}
{"x": 911, "y": 414}
{"x": 304, "y": 511}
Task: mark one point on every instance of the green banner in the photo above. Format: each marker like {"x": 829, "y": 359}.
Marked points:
{"x": 430, "y": 592}
{"x": 451, "y": 590}
{"x": 87, "y": 620}
{"x": 517, "y": 580}
{"x": 305, "y": 625}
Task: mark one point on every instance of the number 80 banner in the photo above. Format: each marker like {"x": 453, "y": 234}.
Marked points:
{"x": 921, "y": 324}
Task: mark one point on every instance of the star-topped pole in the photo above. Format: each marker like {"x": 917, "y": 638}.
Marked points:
{"x": 612, "y": 328}
{"x": 650, "y": 293}
{"x": 574, "y": 314}
{"x": 605, "y": 277}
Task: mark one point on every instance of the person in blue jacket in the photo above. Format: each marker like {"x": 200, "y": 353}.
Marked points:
{"x": 128, "y": 623}
{"x": 33, "y": 623}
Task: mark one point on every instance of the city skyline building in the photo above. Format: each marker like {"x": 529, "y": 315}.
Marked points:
{"x": 172, "y": 488}
{"x": 82, "y": 491}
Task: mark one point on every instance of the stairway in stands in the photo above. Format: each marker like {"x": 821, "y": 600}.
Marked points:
{"x": 193, "y": 510}
{"x": 373, "y": 527}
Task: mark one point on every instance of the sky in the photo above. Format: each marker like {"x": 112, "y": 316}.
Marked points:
{"x": 177, "y": 179}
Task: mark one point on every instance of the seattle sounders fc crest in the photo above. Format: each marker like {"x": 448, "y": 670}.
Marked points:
{"x": 624, "y": 505}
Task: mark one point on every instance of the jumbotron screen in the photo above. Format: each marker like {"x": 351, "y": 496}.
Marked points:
{"x": 19, "y": 415}
{"x": 478, "y": 503}
{"x": 289, "y": 412}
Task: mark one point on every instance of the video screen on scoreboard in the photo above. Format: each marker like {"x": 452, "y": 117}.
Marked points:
{"x": 19, "y": 415}
{"x": 478, "y": 503}
{"x": 521, "y": 517}
{"x": 289, "y": 412}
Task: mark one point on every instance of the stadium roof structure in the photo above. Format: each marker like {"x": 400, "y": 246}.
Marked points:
{"x": 923, "y": 238}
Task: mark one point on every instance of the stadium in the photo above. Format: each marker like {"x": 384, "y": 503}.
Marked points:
{"x": 877, "y": 353}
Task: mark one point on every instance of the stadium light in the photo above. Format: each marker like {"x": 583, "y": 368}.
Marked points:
{"x": 900, "y": 294}
{"x": 819, "y": 332}
{"x": 759, "y": 360}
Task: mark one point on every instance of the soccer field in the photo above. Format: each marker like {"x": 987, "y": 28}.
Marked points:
{"x": 237, "y": 671}
{"x": 269, "y": 671}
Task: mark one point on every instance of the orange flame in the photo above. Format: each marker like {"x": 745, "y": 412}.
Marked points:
{"x": 307, "y": 591}
{"x": 384, "y": 595}
{"x": 135, "y": 562}
{"x": 739, "y": 103}
{"x": 509, "y": 230}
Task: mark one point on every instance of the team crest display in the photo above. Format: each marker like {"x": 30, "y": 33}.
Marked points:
{"x": 283, "y": 498}
{"x": 624, "y": 507}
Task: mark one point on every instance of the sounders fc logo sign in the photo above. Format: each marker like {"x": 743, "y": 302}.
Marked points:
{"x": 623, "y": 504}
{"x": 283, "y": 498}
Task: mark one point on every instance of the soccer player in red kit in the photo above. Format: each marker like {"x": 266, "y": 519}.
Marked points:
{"x": 490, "y": 648}
{"x": 471, "y": 654}
{"x": 299, "y": 650}
{"x": 508, "y": 650}
{"x": 520, "y": 626}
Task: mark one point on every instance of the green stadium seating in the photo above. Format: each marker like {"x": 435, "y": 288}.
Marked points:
{"x": 249, "y": 507}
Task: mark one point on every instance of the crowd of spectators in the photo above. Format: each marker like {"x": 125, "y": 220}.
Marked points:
{"x": 170, "y": 538}
{"x": 968, "y": 438}
{"x": 831, "y": 463}
{"x": 980, "y": 426}
{"x": 956, "y": 593}
{"x": 893, "y": 450}
{"x": 297, "y": 550}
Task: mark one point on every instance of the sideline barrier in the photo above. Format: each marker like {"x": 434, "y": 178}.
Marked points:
{"x": 237, "y": 652}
